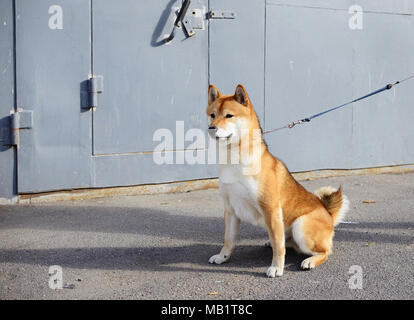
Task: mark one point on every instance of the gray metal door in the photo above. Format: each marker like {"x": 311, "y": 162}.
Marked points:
{"x": 295, "y": 58}
{"x": 52, "y": 60}
{"x": 308, "y": 68}
{"x": 148, "y": 85}
{"x": 315, "y": 60}
{"x": 237, "y": 49}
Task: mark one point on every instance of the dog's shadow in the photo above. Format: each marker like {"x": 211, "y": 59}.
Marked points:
{"x": 187, "y": 258}
{"x": 165, "y": 241}
{"x": 260, "y": 256}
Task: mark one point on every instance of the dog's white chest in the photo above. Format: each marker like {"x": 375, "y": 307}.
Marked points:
{"x": 241, "y": 193}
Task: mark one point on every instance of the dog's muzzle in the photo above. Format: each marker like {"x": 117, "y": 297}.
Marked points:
{"x": 219, "y": 133}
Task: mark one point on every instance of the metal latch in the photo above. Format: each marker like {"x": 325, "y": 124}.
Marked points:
{"x": 221, "y": 14}
{"x": 20, "y": 119}
{"x": 95, "y": 87}
{"x": 190, "y": 19}
{"x": 194, "y": 20}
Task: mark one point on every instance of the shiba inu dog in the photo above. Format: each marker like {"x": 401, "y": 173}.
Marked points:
{"x": 260, "y": 189}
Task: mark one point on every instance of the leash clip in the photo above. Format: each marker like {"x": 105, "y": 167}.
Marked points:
{"x": 294, "y": 123}
{"x": 290, "y": 126}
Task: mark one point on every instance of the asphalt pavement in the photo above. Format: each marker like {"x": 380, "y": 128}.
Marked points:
{"x": 158, "y": 246}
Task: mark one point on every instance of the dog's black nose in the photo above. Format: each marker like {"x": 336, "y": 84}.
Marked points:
{"x": 212, "y": 128}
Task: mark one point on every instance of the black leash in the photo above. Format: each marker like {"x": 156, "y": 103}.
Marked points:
{"x": 294, "y": 123}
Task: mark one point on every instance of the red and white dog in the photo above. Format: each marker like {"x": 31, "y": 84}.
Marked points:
{"x": 259, "y": 189}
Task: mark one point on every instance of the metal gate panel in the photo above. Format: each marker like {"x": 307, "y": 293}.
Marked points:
{"x": 147, "y": 85}
{"x": 314, "y": 60}
{"x": 7, "y": 161}
{"x": 307, "y": 70}
{"x": 52, "y": 54}
{"x": 135, "y": 169}
{"x": 295, "y": 58}
{"x": 382, "y": 125}
{"x": 237, "y": 49}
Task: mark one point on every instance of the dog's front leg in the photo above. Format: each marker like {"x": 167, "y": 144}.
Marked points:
{"x": 232, "y": 227}
{"x": 275, "y": 228}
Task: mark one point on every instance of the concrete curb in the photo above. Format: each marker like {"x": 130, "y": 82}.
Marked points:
{"x": 184, "y": 186}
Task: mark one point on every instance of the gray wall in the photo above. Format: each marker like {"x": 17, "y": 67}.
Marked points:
{"x": 294, "y": 57}
{"x": 315, "y": 61}
{"x": 7, "y": 158}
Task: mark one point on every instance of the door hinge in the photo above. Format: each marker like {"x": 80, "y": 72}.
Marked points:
{"x": 95, "y": 87}
{"x": 20, "y": 119}
{"x": 221, "y": 14}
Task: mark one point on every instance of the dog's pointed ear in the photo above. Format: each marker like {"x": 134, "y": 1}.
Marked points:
{"x": 241, "y": 95}
{"x": 213, "y": 93}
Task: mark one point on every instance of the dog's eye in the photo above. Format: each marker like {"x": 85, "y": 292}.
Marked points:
{"x": 229, "y": 116}
{"x": 212, "y": 115}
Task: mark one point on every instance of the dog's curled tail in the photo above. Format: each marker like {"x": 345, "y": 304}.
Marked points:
{"x": 335, "y": 202}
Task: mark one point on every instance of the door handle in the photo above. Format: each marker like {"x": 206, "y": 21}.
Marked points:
{"x": 179, "y": 20}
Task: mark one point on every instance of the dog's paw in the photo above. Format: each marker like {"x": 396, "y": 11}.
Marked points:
{"x": 308, "y": 264}
{"x": 274, "y": 271}
{"x": 218, "y": 259}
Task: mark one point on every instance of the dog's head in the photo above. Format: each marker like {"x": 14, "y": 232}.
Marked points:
{"x": 231, "y": 116}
